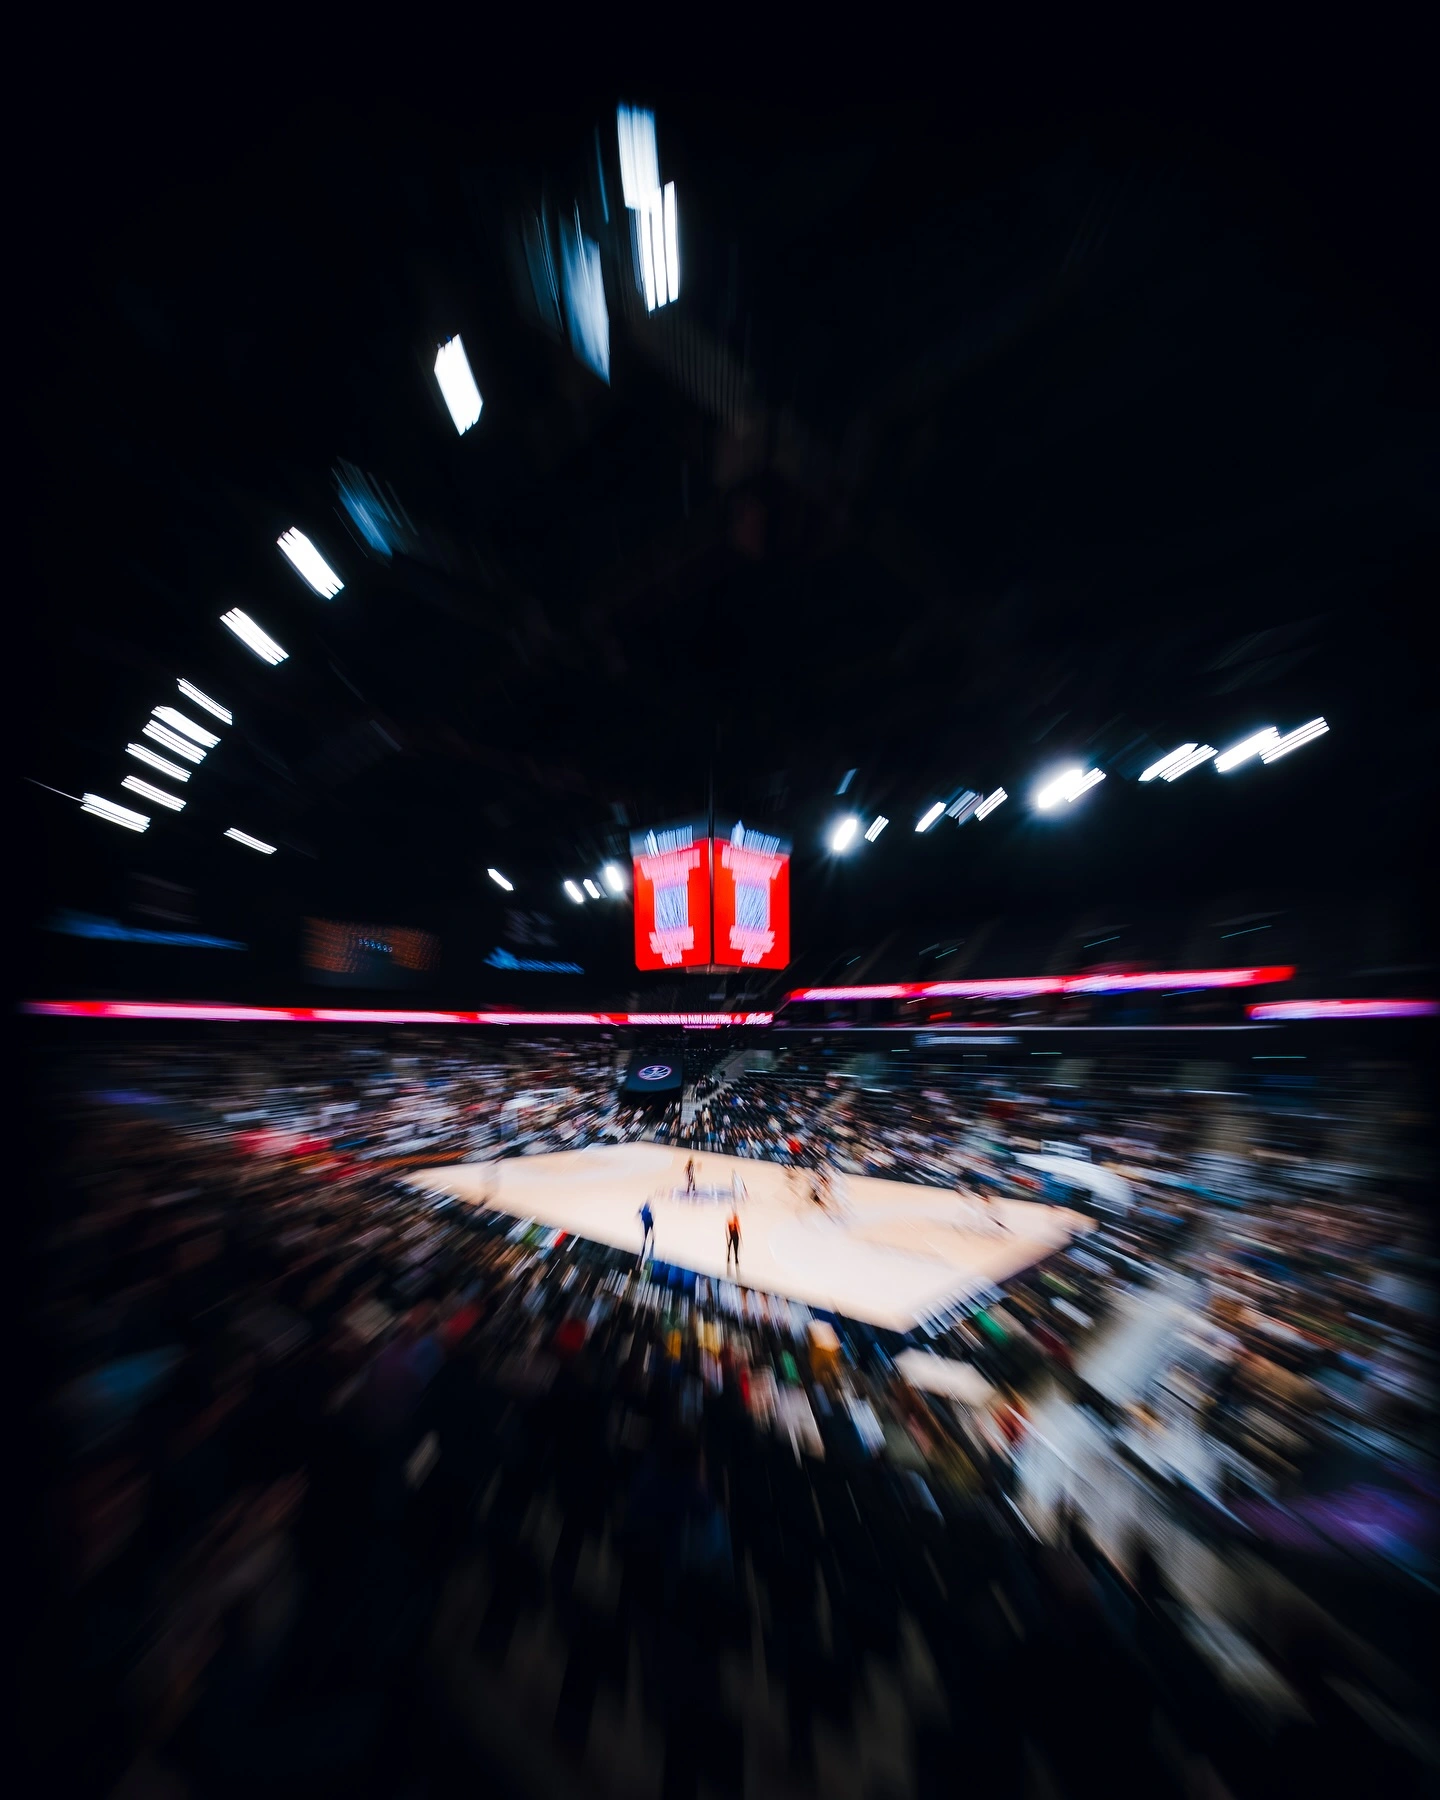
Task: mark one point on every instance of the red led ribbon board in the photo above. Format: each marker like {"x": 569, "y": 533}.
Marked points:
{"x": 752, "y": 900}
{"x": 672, "y": 898}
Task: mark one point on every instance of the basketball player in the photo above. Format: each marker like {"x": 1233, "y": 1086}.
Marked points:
{"x": 732, "y": 1240}
{"x": 689, "y": 1177}
{"x": 647, "y": 1220}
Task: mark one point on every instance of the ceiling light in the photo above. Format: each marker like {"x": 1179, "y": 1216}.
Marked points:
{"x": 1166, "y": 763}
{"x": 170, "y": 716}
{"x": 254, "y": 843}
{"x": 927, "y": 819}
{"x": 172, "y": 740}
{"x": 639, "y": 159}
{"x": 591, "y": 889}
{"x": 1069, "y": 786}
{"x": 672, "y": 243}
{"x": 500, "y": 881}
{"x": 1303, "y": 734}
{"x": 843, "y": 835}
{"x": 849, "y": 777}
{"x": 250, "y": 634}
{"x": 117, "y": 815}
{"x": 574, "y": 893}
{"x": 191, "y": 692}
{"x": 457, "y": 384}
{"x": 877, "y": 825}
{"x": 961, "y": 809}
{"x": 173, "y": 770}
{"x": 1201, "y": 754}
{"x": 1253, "y": 745}
{"x": 158, "y": 795}
{"x": 614, "y": 879}
{"x": 309, "y": 564}
{"x": 998, "y": 798}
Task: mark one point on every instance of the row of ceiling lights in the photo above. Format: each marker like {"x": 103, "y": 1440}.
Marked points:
{"x": 1066, "y": 787}
{"x": 656, "y": 243}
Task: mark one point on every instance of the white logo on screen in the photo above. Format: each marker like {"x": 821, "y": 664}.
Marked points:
{"x": 655, "y": 1071}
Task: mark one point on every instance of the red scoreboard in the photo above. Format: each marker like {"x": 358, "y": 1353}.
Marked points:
{"x": 702, "y": 902}
{"x": 752, "y": 898}
{"x": 672, "y": 897}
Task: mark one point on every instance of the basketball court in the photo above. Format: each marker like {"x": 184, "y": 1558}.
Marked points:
{"x": 889, "y": 1253}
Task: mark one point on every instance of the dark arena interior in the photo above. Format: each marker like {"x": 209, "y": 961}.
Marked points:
{"x": 728, "y": 995}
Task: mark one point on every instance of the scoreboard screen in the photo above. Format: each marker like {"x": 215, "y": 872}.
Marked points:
{"x": 752, "y": 898}
{"x": 718, "y": 903}
{"x": 672, "y": 897}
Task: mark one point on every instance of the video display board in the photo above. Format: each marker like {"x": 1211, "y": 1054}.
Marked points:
{"x": 671, "y": 869}
{"x": 752, "y": 898}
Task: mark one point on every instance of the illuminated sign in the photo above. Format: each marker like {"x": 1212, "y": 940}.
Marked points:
{"x": 672, "y": 897}
{"x": 752, "y": 898}
{"x": 500, "y": 958}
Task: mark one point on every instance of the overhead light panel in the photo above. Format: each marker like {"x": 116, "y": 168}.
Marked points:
{"x": 961, "y": 809}
{"x": 1200, "y": 754}
{"x": 1255, "y": 745}
{"x": 1166, "y": 763}
{"x": 1303, "y": 734}
{"x": 877, "y": 825}
{"x": 457, "y": 384}
{"x": 672, "y": 243}
{"x": 191, "y": 692}
{"x": 591, "y": 889}
{"x": 309, "y": 564}
{"x": 250, "y": 634}
{"x": 849, "y": 777}
{"x": 169, "y": 715}
{"x": 988, "y": 805}
{"x": 117, "y": 815}
{"x": 844, "y": 834}
{"x": 574, "y": 893}
{"x": 253, "y": 843}
{"x": 500, "y": 881}
{"x": 927, "y": 819}
{"x": 614, "y": 879}
{"x": 172, "y": 740}
{"x": 1067, "y": 787}
{"x": 173, "y": 770}
{"x": 639, "y": 158}
{"x": 158, "y": 795}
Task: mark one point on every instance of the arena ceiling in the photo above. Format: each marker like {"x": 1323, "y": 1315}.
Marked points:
{"x": 964, "y": 452}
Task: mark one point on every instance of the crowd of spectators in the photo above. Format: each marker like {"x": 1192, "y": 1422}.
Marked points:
{"x": 278, "y": 1376}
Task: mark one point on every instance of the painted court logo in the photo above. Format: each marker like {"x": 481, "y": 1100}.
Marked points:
{"x": 654, "y": 1072}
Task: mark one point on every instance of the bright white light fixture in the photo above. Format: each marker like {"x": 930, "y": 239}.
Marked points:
{"x": 1069, "y": 786}
{"x": 986, "y": 806}
{"x": 191, "y": 692}
{"x": 1201, "y": 754}
{"x": 173, "y": 770}
{"x": 457, "y": 384}
{"x": 309, "y": 564}
{"x": 178, "y": 722}
{"x": 1303, "y": 734}
{"x": 843, "y": 835}
{"x": 927, "y": 819}
{"x": 591, "y": 889}
{"x": 1254, "y": 745}
{"x": 250, "y": 634}
{"x": 574, "y": 893}
{"x": 672, "y": 243}
{"x": 117, "y": 815}
{"x": 254, "y": 843}
{"x": 500, "y": 881}
{"x": 1166, "y": 763}
{"x": 639, "y": 159}
{"x": 877, "y": 825}
{"x": 614, "y": 880}
{"x": 158, "y": 795}
{"x": 172, "y": 740}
